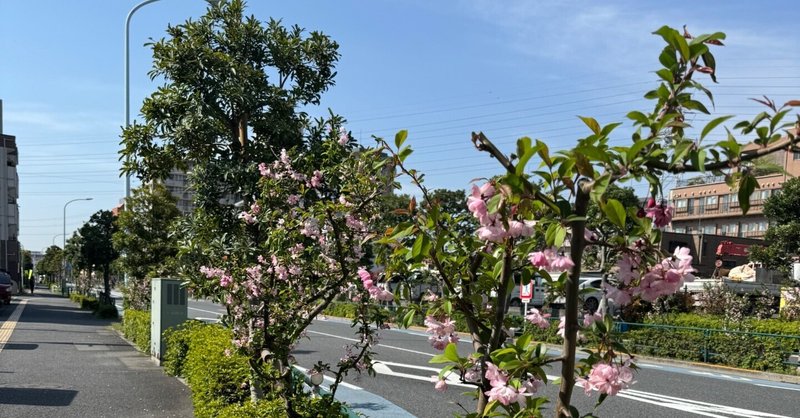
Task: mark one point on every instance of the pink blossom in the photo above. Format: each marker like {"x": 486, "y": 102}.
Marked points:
{"x": 211, "y": 272}
{"x": 537, "y": 318}
{"x": 487, "y": 190}
{"x": 628, "y": 265}
{"x": 519, "y": 229}
{"x": 293, "y": 199}
{"x": 532, "y": 385}
{"x": 255, "y": 208}
{"x": 248, "y": 218}
{"x": 608, "y": 378}
{"x": 562, "y": 323}
{"x": 225, "y": 280}
{"x": 264, "y": 170}
{"x": 491, "y": 233}
{"x": 619, "y": 296}
{"x": 430, "y": 297}
{"x": 343, "y": 138}
{"x": 562, "y": 263}
{"x": 660, "y": 214}
{"x": 494, "y": 375}
{"x": 316, "y": 179}
{"x": 538, "y": 259}
{"x": 590, "y": 236}
{"x": 443, "y": 332}
{"x": 503, "y": 394}
{"x": 588, "y": 320}
{"x": 441, "y": 384}
{"x": 285, "y": 158}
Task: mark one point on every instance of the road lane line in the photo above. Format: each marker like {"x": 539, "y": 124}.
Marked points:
{"x": 691, "y": 406}
{"x": 777, "y": 387}
{"x": 206, "y": 311}
{"x": 8, "y": 326}
{"x": 379, "y": 345}
{"x": 330, "y": 379}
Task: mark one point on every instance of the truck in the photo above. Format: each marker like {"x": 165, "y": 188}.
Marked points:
{"x": 746, "y": 279}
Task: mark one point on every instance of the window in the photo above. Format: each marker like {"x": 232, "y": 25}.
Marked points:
{"x": 680, "y": 204}
{"x": 732, "y": 229}
{"x": 711, "y": 201}
{"x": 762, "y": 226}
{"x": 734, "y": 200}
{"x": 680, "y": 230}
{"x": 764, "y": 194}
{"x": 710, "y": 229}
{"x": 796, "y": 155}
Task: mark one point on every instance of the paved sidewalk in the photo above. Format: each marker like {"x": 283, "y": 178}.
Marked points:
{"x": 59, "y": 361}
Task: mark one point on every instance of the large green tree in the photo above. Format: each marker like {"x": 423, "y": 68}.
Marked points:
{"x": 231, "y": 99}
{"x": 50, "y": 265}
{"x": 783, "y": 236}
{"x": 146, "y": 239}
{"x": 96, "y": 246}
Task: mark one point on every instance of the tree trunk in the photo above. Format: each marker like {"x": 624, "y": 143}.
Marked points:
{"x": 577, "y": 244}
{"x": 106, "y": 283}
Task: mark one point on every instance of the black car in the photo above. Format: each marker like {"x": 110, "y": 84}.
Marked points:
{"x": 5, "y": 288}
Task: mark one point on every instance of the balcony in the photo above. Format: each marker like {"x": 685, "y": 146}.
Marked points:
{"x": 722, "y": 209}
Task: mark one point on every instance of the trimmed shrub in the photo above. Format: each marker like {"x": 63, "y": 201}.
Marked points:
{"x": 136, "y": 327}
{"x": 219, "y": 376}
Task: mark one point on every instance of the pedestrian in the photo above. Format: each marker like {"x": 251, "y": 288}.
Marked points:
{"x": 32, "y": 282}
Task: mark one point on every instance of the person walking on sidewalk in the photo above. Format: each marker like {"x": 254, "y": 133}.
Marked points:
{"x": 32, "y": 282}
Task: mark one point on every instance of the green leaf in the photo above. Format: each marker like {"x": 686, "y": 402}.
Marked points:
{"x": 544, "y": 153}
{"x": 667, "y": 57}
{"x": 525, "y": 152}
{"x": 599, "y": 187}
{"x": 699, "y": 159}
{"x": 710, "y": 62}
{"x": 400, "y": 137}
{"x": 695, "y": 105}
{"x": 713, "y": 124}
{"x": 451, "y": 352}
{"x": 615, "y": 212}
{"x": 523, "y": 341}
{"x": 408, "y": 318}
{"x": 404, "y": 153}
{"x": 561, "y": 234}
{"x": 666, "y": 75}
{"x": 439, "y": 359}
{"x": 591, "y": 123}
{"x": 639, "y": 117}
{"x": 403, "y": 232}
{"x": 421, "y": 247}
{"x": 609, "y": 128}
{"x": 747, "y": 185}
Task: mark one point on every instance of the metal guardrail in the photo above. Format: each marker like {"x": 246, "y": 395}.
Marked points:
{"x": 765, "y": 351}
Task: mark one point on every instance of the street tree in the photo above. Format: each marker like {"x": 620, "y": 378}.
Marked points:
{"x": 602, "y": 226}
{"x": 146, "y": 239}
{"x": 95, "y": 247}
{"x": 783, "y": 235}
{"x": 50, "y": 265}
{"x": 534, "y": 222}
{"x": 231, "y": 98}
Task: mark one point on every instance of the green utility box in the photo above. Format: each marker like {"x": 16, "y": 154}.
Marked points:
{"x": 168, "y": 308}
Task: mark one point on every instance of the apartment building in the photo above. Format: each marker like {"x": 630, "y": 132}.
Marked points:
{"x": 9, "y": 208}
{"x": 177, "y": 184}
{"x": 707, "y": 205}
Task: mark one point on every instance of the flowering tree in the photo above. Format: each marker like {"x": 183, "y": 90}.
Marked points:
{"x": 303, "y": 244}
{"x": 534, "y": 223}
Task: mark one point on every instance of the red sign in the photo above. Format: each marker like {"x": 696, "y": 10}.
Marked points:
{"x": 526, "y": 292}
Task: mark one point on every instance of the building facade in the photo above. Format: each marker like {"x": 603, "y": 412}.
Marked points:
{"x": 177, "y": 184}
{"x": 9, "y": 208}
{"x": 707, "y": 205}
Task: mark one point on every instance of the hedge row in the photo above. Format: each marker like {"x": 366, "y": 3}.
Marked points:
{"x": 91, "y": 303}
{"x": 204, "y": 355}
{"x": 136, "y": 328}
{"x": 717, "y": 345}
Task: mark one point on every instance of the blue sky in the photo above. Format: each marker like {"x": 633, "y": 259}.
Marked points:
{"x": 439, "y": 69}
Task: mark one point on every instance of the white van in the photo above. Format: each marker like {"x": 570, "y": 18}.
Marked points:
{"x": 539, "y": 294}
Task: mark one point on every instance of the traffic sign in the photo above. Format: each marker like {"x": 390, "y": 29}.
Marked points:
{"x": 526, "y": 292}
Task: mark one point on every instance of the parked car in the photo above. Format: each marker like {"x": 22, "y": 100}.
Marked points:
{"x": 6, "y": 285}
{"x": 591, "y": 293}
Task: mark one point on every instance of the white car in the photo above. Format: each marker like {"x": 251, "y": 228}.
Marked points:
{"x": 591, "y": 298}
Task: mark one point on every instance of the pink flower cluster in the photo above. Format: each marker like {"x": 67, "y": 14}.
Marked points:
{"x": 442, "y": 332}
{"x": 492, "y": 228}
{"x": 662, "y": 279}
{"x": 608, "y": 378}
{"x": 537, "y": 318}
{"x": 507, "y": 394}
{"x": 661, "y": 213}
{"x": 550, "y": 260}
{"x": 375, "y": 292}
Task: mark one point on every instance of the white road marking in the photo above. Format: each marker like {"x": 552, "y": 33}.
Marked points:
{"x": 379, "y": 345}
{"x": 206, "y": 311}
{"x": 381, "y": 367}
{"x": 777, "y": 387}
{"x": 200, "y": 318}
{"x": 330, "y": 379}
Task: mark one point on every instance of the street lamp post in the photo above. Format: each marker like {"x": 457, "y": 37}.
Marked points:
{"x": 64, "y": 246}
{"x": 128, "y": 79}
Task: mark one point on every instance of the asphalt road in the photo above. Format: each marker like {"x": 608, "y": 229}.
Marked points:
{"x": 661, "y": 390}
